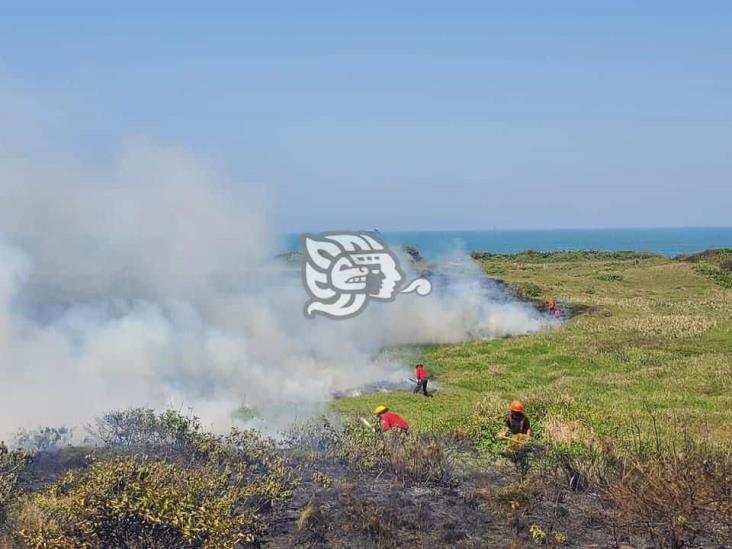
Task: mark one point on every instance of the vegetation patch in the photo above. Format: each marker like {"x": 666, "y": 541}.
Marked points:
{"x": 715, "y": 264}
{"x": 158, "y": 480}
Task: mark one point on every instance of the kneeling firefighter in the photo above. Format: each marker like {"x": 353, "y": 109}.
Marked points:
{"x": 517, "y": 422}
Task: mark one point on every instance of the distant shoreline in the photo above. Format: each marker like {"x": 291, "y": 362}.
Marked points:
{"x": 668, "y": 241}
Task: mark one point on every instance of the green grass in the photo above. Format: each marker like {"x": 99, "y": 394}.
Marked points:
{"x": 656, "y": 341}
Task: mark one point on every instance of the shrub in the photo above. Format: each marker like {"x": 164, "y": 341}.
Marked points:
{"x": 675, "y": 495}
{"x": 530, "y": 290}
{"x": 721, "y": 277}
{"x": 44, "y": 439}
{"x": 489, "y": 416}
{"x": 132, "y": 502}
{"x": 180, "y": 439}
{"x": 414, "y": 458}
{"x": 141, "y": 429}
{"x": 537, "y": 534}
{"x": 271, "y": 478}
{"x": 716, "y": 264}
{"x": 169, "y": 483}
{"x": 581, "y": 457}
{"x": 407, "y": 456}
{"x": 522, "y": 456}
{"x": 12, "y": 462}
{"x": 609, "y": 277}
{"x": 322, "y": 479}
{"x": 581, "y": 466}
{"x": 319, "y": 434}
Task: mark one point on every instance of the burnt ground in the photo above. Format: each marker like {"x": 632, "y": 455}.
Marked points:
{"x": 479, "y": 507}
{"x": 475, "y": 505}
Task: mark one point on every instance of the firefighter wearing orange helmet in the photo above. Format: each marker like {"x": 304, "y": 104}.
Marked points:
{"x": 516, "y": 421}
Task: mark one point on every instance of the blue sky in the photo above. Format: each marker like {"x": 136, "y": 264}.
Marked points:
{"x": 400, "y": 115}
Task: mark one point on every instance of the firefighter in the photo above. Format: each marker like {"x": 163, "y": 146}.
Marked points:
{"x": 517, "y": 422}
{"x": 390, "y": 420}
{"x": 422, "y": 376}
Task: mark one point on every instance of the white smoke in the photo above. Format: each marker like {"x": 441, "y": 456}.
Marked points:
{"x": 152, "y": 283}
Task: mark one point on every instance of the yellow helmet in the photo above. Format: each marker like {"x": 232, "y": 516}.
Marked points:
{"x": 380, "y": 409}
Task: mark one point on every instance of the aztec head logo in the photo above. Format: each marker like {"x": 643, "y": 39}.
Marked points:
{"x": 342, "y": 271}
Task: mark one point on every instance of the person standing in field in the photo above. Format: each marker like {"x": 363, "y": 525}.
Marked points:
{"x": 422, "y": 377}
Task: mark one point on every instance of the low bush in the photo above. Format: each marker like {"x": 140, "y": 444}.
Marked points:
{"x": 160, "y": 481}
{"x": 721, "y": 276}
{"x": 533, "y": 256}
{"x": 44, "y": 439}
{"x": 407, "y": 456}
{"x": 129, "y": 502}
{"x": 609, "y": 277}
{"x": 142, "y": 430}
{"x": 579, "y": 465}
{"x": 12, "y": 463}
{"x": 577, "y": 453}
{"x": 418, "y": 459}
{"x": 676, "y": 495}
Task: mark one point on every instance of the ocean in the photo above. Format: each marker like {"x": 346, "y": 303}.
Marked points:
{"x": 666, "y": 241}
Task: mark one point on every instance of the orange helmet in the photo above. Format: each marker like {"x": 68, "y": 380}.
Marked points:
{"x": 517, "y": 406}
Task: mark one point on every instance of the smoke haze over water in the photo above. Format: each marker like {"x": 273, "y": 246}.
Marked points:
{"x": 153, "y": 283}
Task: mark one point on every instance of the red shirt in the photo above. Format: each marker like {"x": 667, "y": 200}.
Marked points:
{"x": 421, "y": 373}
{"x": 391, "y": 419}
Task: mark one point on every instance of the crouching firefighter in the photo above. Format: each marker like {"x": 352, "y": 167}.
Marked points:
{"x": 517, "y": 422}
{"x": 389, "y": 420}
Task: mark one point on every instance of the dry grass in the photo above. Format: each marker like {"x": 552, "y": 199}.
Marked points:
{"x": 558, "y": 430}
{"x": 676, "y": 497}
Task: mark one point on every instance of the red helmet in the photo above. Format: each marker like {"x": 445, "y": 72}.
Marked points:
{"x": 516, "y": 406}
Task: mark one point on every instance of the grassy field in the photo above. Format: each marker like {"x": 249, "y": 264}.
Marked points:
{"x": 653, "y": 344}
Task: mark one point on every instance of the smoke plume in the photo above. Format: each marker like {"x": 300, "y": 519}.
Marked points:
{"x": 152, "y": 283}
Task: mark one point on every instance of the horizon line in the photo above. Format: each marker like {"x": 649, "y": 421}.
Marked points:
{"x": 500, "y": 229}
